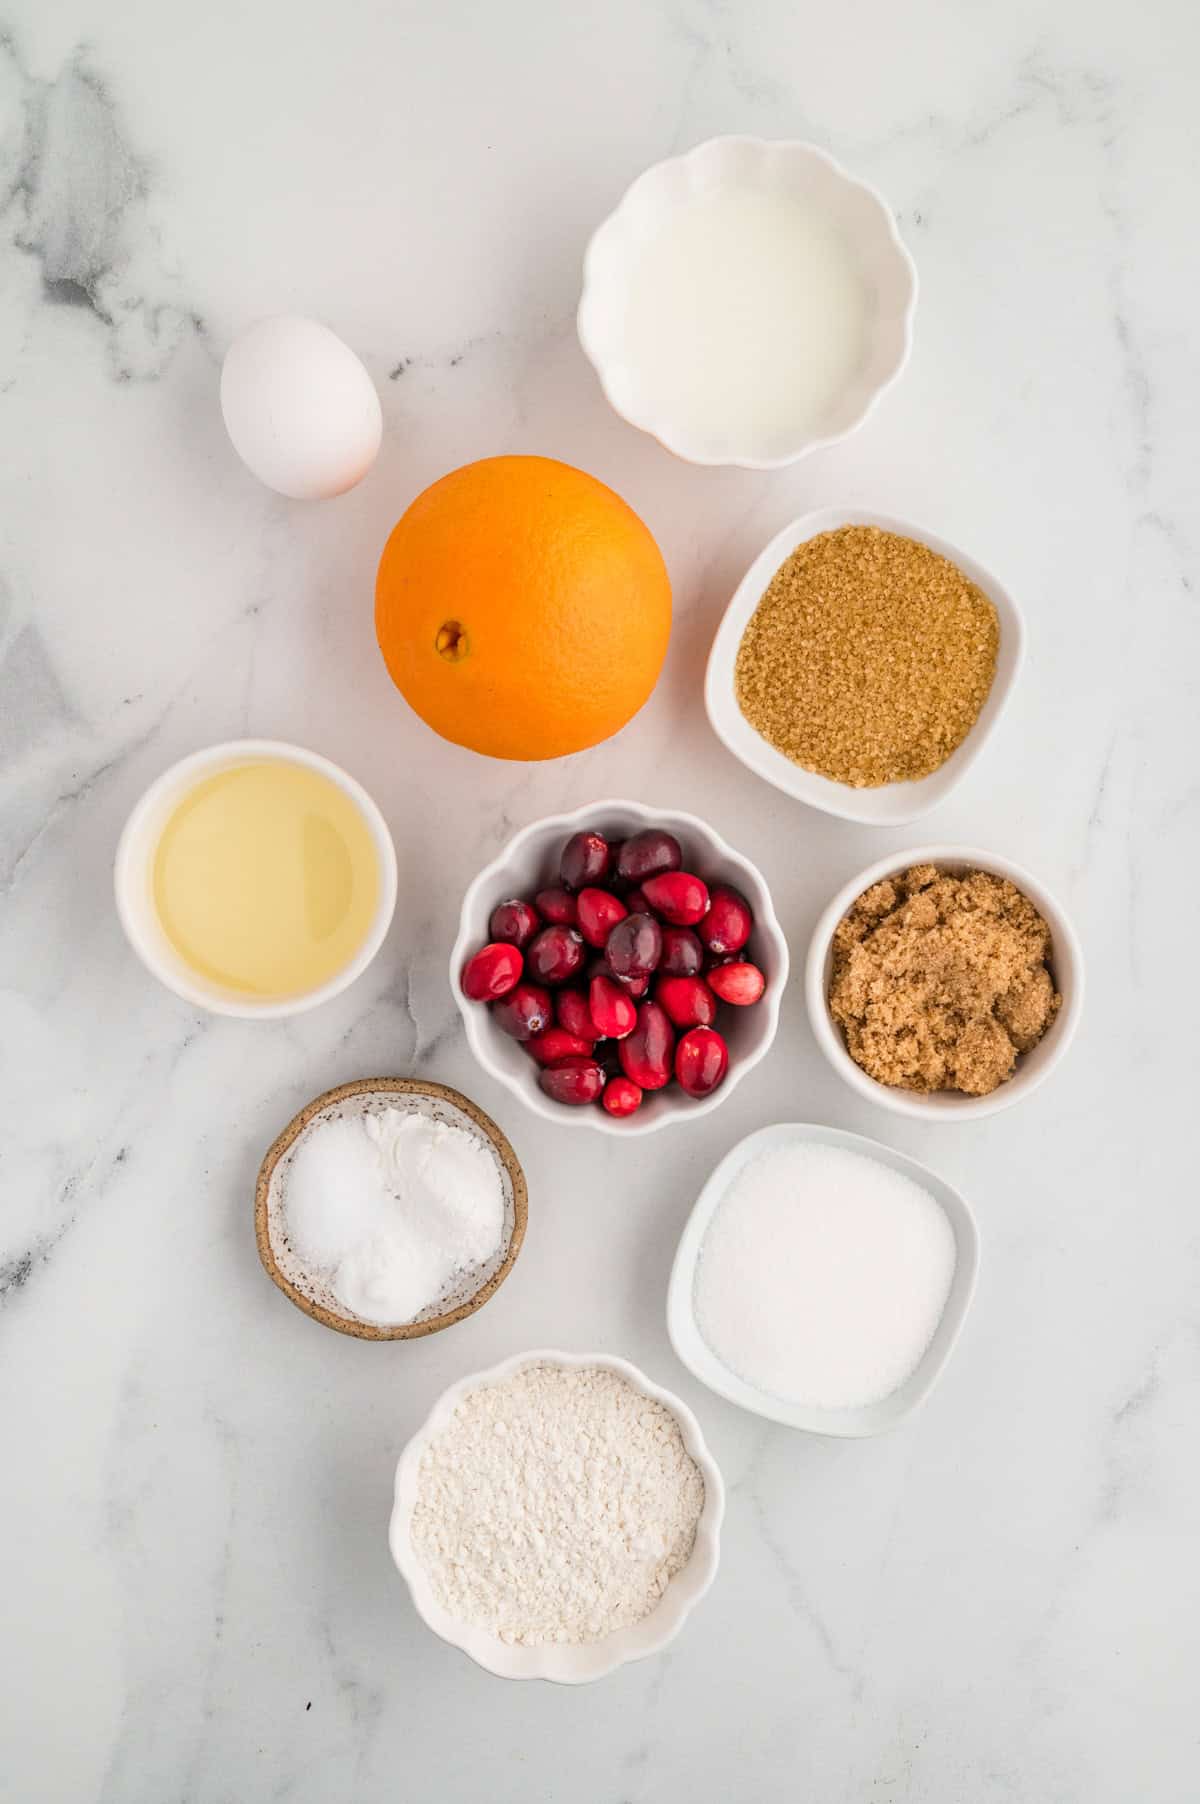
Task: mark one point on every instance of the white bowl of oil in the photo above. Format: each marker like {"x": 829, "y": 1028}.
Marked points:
{"x": 747, "y": 303}
{"x": 255, "y": 879}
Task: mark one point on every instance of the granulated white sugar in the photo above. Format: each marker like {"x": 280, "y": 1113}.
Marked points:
{"x": 556, "y": 1505}
{"x": 823, "y": 1276}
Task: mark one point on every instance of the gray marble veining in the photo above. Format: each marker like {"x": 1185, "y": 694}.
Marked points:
{"x": 999, "y": 1602}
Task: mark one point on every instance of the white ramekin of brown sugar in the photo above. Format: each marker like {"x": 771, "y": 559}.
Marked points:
{"x": 1065, "y": 964}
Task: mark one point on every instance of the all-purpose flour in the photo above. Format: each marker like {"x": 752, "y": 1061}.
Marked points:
{"x": 556, "y": 1506}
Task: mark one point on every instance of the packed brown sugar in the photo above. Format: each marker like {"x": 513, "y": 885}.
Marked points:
{"x": 940, "y": 982}
{"x": 868, "y": 658}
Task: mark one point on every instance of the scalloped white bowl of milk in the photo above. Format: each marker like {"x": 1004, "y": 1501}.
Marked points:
{"x": 747, "y": 303}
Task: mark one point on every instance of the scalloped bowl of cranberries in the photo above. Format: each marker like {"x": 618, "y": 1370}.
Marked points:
{"x": 620, "y": 966}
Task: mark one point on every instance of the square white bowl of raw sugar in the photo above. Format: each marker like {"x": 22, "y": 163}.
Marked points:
{"x": 892, "y": 804}
{"x": 848, "y": 1423}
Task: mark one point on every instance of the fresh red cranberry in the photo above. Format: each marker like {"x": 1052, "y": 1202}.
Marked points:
{"x": 738, "y": 982}
{"x": 635, "y": 901}
{"x": 678, "y": 897}
{"x": 555, "y": 1043}
{"x": 556, "y": 905}
{"x": 646, "y": 1052}
{"x": 598, "y": 913}
{"x": 514, "y": 921}
{"x": 575, "y": 1081}
{"x": 585, "y": 859}
{"x": 611, "y": 1007}
{"x": 634, "y": 946}
{"x": 682, "y": 954}
{"x": 572, "y": 1013}
{"x": 525, "y": 1011}
{"x": 633, "y": 986}
{"x": 726, "y": 927}
{"x": 688, "y": 1001}
{"x": 492, "y": 972}
{"x": 646, "y": 853}
{"x": 701, "y": 1061}
{"x": 555, "y": 955}
{"x": 621, "y": 1097}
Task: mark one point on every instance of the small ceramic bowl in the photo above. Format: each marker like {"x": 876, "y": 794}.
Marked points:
{"x": 307, "y": 1289}
{"x": 134, "y": 868}
{"x": 699, "y": 1357}
{"x": 1032, "y": 1068}
{"x": 529, "y": 863}
{"x": 855, "y": 209}
{"x": 892, "y": 804}
{"x": 564, "y": 1664}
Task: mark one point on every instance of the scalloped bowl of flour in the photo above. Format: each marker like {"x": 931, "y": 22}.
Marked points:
{"x": 563, "y": 1663}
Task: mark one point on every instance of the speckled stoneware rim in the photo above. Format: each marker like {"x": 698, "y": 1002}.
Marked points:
{"x": 561, "y": 1663}
{"x": 388, "y": 1086}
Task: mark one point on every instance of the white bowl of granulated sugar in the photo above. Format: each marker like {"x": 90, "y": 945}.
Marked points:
{"x": 598, "y": 1487}
{"x": 822, "y": 1279}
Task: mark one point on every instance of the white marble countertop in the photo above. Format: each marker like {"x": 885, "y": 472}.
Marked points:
{"x": 1002, "y": 1600}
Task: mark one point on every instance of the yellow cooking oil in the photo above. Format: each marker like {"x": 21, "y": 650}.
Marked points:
{"x": 266, "y": 878}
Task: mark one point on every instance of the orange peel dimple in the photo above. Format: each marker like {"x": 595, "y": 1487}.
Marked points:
{"x": 451, "y": 641}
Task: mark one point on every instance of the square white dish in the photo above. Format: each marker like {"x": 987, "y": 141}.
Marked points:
{"x": 699, "y": 1357}
{"x": 893, "y": 804}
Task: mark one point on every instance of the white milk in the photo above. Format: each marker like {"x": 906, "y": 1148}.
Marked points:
{"x": 746, "y": 319}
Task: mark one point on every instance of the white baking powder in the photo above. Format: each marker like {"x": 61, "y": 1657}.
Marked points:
{"x": 823, "y": 1276}
{"x": 391, "y": 1208}
{"x": 556, "y": 1505}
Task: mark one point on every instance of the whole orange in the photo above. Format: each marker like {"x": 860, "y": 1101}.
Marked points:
{"x": 522, "y": 608}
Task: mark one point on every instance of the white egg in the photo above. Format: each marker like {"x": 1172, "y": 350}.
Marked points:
{"x": 300, "y": 408}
